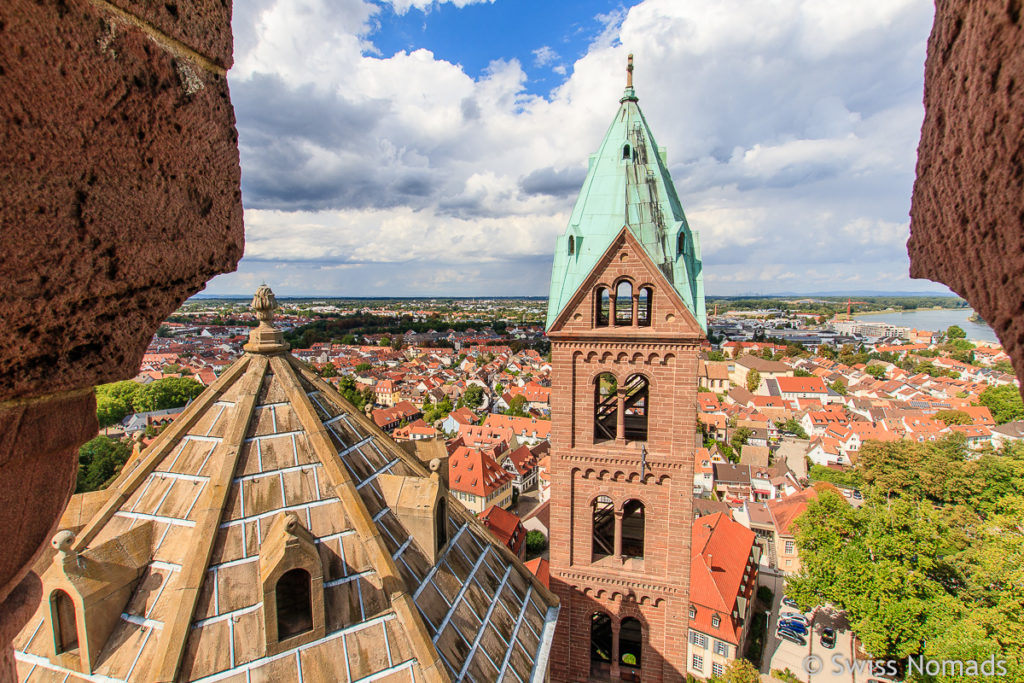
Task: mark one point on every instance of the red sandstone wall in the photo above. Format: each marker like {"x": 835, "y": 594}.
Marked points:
{"x": 121, "y": 197}
{"x": 967, "y": 216}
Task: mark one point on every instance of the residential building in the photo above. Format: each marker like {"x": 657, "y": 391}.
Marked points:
{"x": 507, "y": 528}
{"x": 723, "y": 581}
{"x": 477, "y": 481}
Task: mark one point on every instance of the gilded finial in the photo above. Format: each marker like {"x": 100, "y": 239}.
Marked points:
{"x": 263, "y": 304}
{"x": 629, "y": 71}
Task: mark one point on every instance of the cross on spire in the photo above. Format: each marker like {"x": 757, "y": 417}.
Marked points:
{"x": 629, "y": 71}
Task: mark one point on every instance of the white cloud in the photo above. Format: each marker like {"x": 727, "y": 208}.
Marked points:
{"x": 791, "y": 130}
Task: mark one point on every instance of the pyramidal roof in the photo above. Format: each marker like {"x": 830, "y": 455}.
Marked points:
{"x": 628, "y": 185}
{"x": 179, "y": 575}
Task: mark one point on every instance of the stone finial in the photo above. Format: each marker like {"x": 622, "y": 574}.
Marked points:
{"x": 63, "y": 541}
{"x": 265, "y": 338}
{"x": 629, "y": 70}
{"x": 263, "y": 304}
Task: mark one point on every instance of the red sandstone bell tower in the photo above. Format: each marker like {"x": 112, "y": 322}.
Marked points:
{"x": 625, "y": 319}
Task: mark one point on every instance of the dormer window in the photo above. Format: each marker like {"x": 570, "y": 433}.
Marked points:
{"x": 693, "y": 612}
{"x": 65, "y": 623}
{"x": 294, "y": 603}
{"x": 716, "y": 621}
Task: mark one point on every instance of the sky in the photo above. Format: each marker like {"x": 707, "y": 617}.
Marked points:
{"x": 435, "y": 148}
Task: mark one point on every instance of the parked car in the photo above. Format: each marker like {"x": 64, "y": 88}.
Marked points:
{"x": 794, "y": 616}
{"x": 786, "y": 634}
{"x": 847, "y": 492}
{"x": 789, "y": 602}
{"x": 857, "y": 494}
{"x": 794, "y": 626}
{"x": 828, "y": 638}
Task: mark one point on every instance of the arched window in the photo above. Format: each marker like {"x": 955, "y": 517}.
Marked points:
{"x": 572, "y": 245}
{"x": 65, "y": 623}
{"x": 643, "y": 307}
{"x": 600, "y": 644}
{"x": 680, "y": 243}
{"x": 624, "y": 303}
{"x": 606, "y": 407}
{"x": 441, "y": 523}
{"x": 631, "y": 641}
{"x": 601, "y": 306}
{"x": 636, "y": 407}
{"x": 603, "y": 528}
{"x": 633, "y": 529}
{"x": 625, "y": 152}
{"x": 294, "y": 603}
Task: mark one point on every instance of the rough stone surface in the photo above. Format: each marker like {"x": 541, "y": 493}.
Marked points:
{"x": 121, "y": 191}
{"x": 203, "y": 25}
{"x": 38, "y": 460}
{"x": 14, "y": 612}
{"x": 967, "y": 217}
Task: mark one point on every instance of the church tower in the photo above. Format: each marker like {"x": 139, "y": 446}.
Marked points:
{"x": 626, "y": 318}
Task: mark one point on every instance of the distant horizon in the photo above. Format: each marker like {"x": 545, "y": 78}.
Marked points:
{"x": 802, "y": 295}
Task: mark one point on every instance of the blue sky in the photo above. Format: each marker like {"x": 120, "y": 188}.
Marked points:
{"x": 417, "y": 147}
{"x": 546, "y": 37}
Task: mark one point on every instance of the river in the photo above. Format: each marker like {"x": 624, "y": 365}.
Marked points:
{"x": 933, "y": 319}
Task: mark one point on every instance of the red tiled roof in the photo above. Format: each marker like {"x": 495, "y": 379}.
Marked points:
{"x": 801, "y": 385}
{"x": 505, "y": 526}
{"x": 720, "y": 553}
{"x": 473, "y": 471}
{"x": 541, "y": 569}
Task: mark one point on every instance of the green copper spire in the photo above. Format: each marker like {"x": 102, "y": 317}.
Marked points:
{"x": 628, "y": 184}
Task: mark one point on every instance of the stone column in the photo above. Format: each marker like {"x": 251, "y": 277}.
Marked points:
{"x": 620, "y": 414}
{"x": 615, "y": 673}
{"x": 636, "y": 307}
{"x": 618, "y": 535}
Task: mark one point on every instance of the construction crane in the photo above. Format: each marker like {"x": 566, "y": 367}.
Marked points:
{"x": 849, "y": 307}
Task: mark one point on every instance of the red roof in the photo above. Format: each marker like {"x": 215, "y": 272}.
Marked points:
{"x": 524, "y": 426}
{"x": 721, "y": 551}
{"x": 785, "y": 510}
{"x": 505, "y": 526}
{"x": 473, "y": 471}
{"x": 801, "y": 385}
{"x": 541, "y": 568}
{"x": 463, "y": 415}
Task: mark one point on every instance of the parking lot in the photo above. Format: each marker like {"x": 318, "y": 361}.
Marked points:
{"x": 784, "y": 654}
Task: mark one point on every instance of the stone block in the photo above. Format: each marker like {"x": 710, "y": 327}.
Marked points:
{"x": 202, "y": 25}
{"x": 967, "y": 215}
{"x": 121, "y": 191}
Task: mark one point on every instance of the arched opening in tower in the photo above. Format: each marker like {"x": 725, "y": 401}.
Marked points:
{"x": 600, "y": 644}
{"x": 643, "y": 307}
{"x": 294, "y": 603}
{"x": 633, "y": 529}
{"x": 631, "y": 640}
{"x": 603, "y": 528}
{"x": 636, "y": 406}
{"x": 606, "y": 407}
{"x": 602, "y": 303}
{"x": 624, "y": 303}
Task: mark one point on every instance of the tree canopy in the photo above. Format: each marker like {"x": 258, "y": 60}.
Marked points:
{"x": 1003, "y": 402}
{"x": 753, "y": 380}
{"x": 933, "y": 562}
{"x": 99, "y": 461}
{"x": 115, "y": 401}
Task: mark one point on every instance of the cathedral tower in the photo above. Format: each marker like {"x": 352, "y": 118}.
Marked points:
{"x": 626, "y": 318}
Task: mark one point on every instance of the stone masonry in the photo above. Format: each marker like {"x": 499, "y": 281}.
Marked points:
{"x": 121, "y": 197}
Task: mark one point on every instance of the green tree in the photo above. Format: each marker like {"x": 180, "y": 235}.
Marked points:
{"x": 536, "y": 543}
{"x": 753, "y": 380}
{"x": 741, "y": 671}
{"x": 348, "y": 340}
{"x": 955, "y": 332}
{"x": 767, "y": 353}
{"x": 170, "y": 392}
{"x": 329, "y": 370}
{"x": 953, "y": 417}
{"x": 716, "y": 356}
{"x": 876, "y": 371}
{"x": 517, "y": 406}
{"x": 99, "y": 461}
{"x": 740, "y": 436}
{"x": 110, "y": 410}
{"x": 1003, "y": 402}
{"x": 793, "y": 426}
{"x": 473, "y": 396}
{"x": 839, "y": 386}
{"x": 364, "y": 367}
{"x": 800, "y": 372}
{"x": 499, "y": 388}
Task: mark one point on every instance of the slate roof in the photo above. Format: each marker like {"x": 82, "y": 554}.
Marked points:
{"x": 267, "y": 442}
